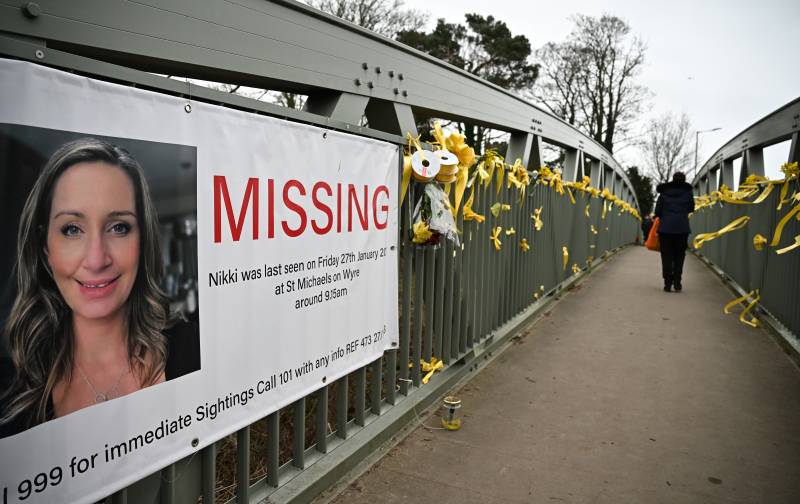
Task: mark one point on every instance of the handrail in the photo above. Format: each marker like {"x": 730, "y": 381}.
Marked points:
{"x": 284, "y": 45}
{"x": 778, "y": 126}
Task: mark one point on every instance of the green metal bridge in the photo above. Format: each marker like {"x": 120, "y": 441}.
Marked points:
{"x": 558, "y": 362}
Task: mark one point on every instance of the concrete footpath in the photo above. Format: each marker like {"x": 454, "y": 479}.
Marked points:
{"x": 622, "y": 393}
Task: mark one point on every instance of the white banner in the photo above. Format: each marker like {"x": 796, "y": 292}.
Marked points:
{"x": 279, "y": 246}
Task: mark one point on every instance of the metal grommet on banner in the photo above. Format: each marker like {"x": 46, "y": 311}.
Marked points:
{"x": 325, "y": 134}
{"x": 188, "y": 108}
{"x": 324, "y": 379}
{"x": 39, "y": 54}
{"x": 195, "y": 442}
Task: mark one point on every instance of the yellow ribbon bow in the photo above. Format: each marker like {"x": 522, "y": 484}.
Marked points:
{"x": 421, "y": 232}
{"x": 523, "y": 244}
{"x": 511, "y": 231}
{"x": 429, "y": 368}
{"x": 495, "y": 237}
{"x": 576, "y": 269}
{"x": 537, "y": 219}
{"x": 753, "y": 322}
{"x": 497, "y": 207}
{"x": 759, "y": 241}
{"x": 733, "y": 226}
{"x": 565, "y": 256}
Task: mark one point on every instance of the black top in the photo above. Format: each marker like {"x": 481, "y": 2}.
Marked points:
{"x": 183, "y": 357}
{"x": 675, "y": 203}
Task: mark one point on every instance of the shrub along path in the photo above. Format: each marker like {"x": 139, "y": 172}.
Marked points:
{"x": 622, "y": 393}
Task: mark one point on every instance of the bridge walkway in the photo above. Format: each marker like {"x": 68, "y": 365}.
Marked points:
{"x": 621, "y": 393}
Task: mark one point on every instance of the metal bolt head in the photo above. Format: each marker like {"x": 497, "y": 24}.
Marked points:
{"x": 405, "y": 93}
{"x": 39, "y": 54}
{"x": 188, "y": 108}
{"x": 400, "y": 76}
{"x": 391, "y": 73}
{"x": 31, "y": 10}
{"x": 370, "y": 85}
{"x": 377, "y": 70}
{"x": 364, "y": 65}
{"x": 357, "y": 82}
{"x": 396, "y": 91}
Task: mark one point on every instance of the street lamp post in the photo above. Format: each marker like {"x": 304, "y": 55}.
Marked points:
{"x": 696, "y": 144}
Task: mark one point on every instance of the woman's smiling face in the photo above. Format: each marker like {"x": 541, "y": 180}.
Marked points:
{"x": 93, "y": 239}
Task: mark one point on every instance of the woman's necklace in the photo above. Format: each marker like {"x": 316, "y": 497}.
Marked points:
{"x": 108, "y": 394}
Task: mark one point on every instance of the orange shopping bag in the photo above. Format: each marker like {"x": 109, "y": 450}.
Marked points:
{"x": 652, "y": 242}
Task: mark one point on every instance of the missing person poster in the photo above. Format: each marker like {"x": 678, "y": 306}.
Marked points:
{"x": 171, "y": 272}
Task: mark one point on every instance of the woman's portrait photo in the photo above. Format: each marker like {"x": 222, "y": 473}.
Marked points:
{"x": 98, "y": 290}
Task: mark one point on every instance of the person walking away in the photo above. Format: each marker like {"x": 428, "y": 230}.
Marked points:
{"x": 675, "y": 203}
{"x": 647, "y": 224}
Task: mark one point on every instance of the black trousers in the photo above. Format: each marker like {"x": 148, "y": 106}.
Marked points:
{"x": 673, "y": 253}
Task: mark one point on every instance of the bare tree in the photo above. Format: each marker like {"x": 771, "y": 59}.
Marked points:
{"x": 667, "y": 146}
{"x": 590, "y": 80}
{"x": 386, "y": 17}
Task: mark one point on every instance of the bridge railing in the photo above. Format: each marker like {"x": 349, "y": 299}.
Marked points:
{"x": 752, "y": 256}
{"x": 458, "y": 304}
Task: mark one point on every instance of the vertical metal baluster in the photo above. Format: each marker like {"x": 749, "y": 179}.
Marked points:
{"x": 299, "y": 433}
{"x": 419, "y": 284}
{"x": 120, "y": 497}
{"x": 243, "y": 464}
{"x": 430, "y": 303}
{"x": 391, "y": 375}
{"x": 273, "y": 450}
{"x": 439, "y": 293}
{"x": 322, "y": 420}
{"x": 209, "y": 480}
{"x": 167, "y": 493}
{"x": 377, "y": 386}
{"x": 450, "y": 297}
{"x": 405, "y": 321}
{"x": 341, "y": 407}
{"x": 360, "y": 394}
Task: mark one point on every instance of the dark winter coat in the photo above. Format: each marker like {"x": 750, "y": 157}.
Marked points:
{"x": 675, "y": 203}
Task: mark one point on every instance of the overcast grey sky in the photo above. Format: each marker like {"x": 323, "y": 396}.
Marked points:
{"x": 725, "y": 63}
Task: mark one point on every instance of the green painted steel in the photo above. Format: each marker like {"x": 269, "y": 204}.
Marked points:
{"x": 734, "y": 254}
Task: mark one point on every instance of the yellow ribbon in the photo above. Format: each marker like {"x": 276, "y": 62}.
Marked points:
{"x": 565, "y": 257}
{"x": 753, "y": 322}
{"x": 790, "y": 247}
{"x": 576, "y": 269}
{"x": 571, "y": 196}
{"x": 776, "y": 238}
{"x": 421, "y": 232}
{"x": 733, "y": 226}
{"x": 495, "y": 237}
{"x": 759, "y": 241}
{"x": 429, "y": 368}
{"x": 523, "y": 244}
{"x": 591, "y": 227}
{"x": 497, "y": 207}
{"x": 537, "y": 219}
{"x": 605, "y": 209}
{"x": 511, "y": 231}
{"x": 586, "y": 211}
{"x": 469, "y": 214}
